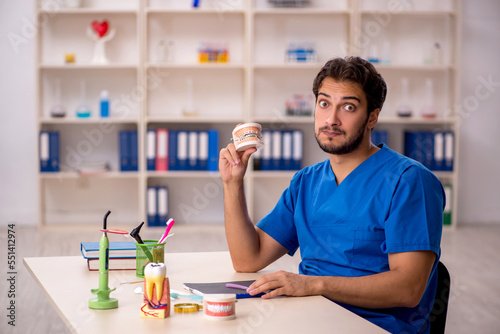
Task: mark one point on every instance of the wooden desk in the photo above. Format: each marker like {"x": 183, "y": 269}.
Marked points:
{"x": 67, "y": 283}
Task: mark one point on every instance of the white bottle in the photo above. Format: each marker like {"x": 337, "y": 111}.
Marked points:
{"x": 428, "y": 110}
{"x": 190, "y": 108}
{"x": 404, "y": 108}
{"x": 58, "y": 110}
{"x": 385, "y": 57}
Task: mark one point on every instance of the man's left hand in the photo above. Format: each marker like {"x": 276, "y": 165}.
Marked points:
{"x": 282, "y": 283}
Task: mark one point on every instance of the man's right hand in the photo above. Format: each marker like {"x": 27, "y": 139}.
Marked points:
{"x": 233, "y": 164}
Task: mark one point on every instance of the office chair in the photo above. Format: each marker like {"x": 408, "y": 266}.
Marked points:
{"x": 437, "y": 316}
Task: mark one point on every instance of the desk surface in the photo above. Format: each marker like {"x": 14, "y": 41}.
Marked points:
{"x": 67, "y": 283}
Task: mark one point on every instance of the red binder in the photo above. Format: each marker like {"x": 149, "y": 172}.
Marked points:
{"x": 161, "y": 149}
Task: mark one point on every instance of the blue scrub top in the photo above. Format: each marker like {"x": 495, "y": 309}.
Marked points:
{"x": 388, "y": 204}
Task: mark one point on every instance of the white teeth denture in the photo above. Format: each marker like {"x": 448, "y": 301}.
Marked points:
{"x": 247, "y": 135}
{"x": 154, "y": 274}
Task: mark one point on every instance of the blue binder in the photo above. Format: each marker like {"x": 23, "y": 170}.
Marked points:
{"x": 44, "y": 151}
{"x": 287, "y": 145}
{"x": 151, "y": 206}
{"x": 133, "y": 153}
{"x": 54, "y": 151}
{"x": 182, "y": 150}
{"x": 213, "y": 150}
{"x": 162, "y": 205}
{"x": 124, "y": 150}
{"x": 297, "y": 149}
{"x": 172, "y": 150}
{"x": 428, "y": 150}
{"x": 203, "y": 148}
{"x": 449, "y": 153}
{"x": 277, "y": 151}
{"x": 151, "y": 149}
{"x": 265, "y": 162}
{"x": 192, "y": 162}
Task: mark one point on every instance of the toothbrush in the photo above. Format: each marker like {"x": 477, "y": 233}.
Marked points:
{"x": 170, "y": 223}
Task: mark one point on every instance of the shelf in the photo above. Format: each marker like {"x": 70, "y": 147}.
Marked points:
{"x": 183, "y": 174}
{"x": 75, "y": 175}
{"x": 414, "y": 67}
{"x": 214, "y": 66}
{"x": 79, "y": 11}
{"x": 300, "y": 11}
{"x": 253, "y": 87}
{"x": 274, "y": 174}
{"x": 76, "y": 66}
{"x": 287, "y": 66}
{"x": 91, "y": 120}
{"x": 285, "y": 119}
{"x": 194, "y": 11}
{"x": 415, "y": 13}
{"x": 191, "y": 120}
{"x": 444, "y": 175}
{"x": 415, "y": 120}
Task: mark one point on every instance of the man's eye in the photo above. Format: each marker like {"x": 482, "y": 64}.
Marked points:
{"x": 323, "y": 104}
{"x": 349, "y": 107}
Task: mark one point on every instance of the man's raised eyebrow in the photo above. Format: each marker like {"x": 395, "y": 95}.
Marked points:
{"x": 343, "y": 97}
{"x": 351, "y": 98}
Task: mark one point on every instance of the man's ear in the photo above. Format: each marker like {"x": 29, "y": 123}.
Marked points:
{"x": 373, "y": 118}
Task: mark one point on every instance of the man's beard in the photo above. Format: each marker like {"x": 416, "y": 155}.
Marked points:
{"x": 352, "y": 143}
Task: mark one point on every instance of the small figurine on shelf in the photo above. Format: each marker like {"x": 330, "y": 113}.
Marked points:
{"x": 98, "y": 31}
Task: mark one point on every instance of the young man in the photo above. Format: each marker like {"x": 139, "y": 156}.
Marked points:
{"x": 368, "y": 220}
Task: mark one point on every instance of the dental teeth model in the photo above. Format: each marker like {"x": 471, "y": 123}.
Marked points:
{"x": 219, "y": 306}
{"x": 247, "y": 135}
{"x": 156, "y": 292}
{"x": 154, "y": 274}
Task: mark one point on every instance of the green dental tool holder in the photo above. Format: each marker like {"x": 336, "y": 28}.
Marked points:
{"x": 103, "y": 301}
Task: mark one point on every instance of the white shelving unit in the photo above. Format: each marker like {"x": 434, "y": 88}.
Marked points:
{"x": 148, "y": 90}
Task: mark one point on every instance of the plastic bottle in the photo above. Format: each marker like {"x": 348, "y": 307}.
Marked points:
{"x": 190, "y": 107}
{"x": 386, "y": 53}
{"x": 58, "y": 110}
{"x": 104, "y": 103}
{"x": 428, "y": 110}
{"x": 83, "y": 109}
{"x": 404, "y": 108}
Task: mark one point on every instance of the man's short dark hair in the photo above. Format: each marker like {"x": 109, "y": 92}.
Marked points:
{"x": 356, "y": 70}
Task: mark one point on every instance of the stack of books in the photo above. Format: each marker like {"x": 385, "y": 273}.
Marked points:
{"x": 122, "y": 255}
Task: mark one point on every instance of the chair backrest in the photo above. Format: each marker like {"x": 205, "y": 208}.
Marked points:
{"x": 437, "y": 316}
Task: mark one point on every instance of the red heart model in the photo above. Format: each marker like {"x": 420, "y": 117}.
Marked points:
{"x": 100, "y": 28}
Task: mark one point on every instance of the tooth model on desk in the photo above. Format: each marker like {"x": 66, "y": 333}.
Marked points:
{"x": 156, "y": 292}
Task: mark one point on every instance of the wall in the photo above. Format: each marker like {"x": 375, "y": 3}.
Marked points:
{"x": 18, "y": 139}
{"x": 479, "y": 161}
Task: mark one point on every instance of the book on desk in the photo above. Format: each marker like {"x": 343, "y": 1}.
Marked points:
{"x": 122, "y": 255}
